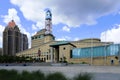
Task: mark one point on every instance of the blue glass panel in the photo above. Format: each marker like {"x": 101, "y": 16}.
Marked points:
{"x": 108, "y": 50}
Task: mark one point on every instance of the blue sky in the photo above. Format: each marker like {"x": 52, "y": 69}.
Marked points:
{"x": 72, "y": 19}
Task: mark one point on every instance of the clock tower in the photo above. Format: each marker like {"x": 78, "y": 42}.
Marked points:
{"x": 48, "y": 22}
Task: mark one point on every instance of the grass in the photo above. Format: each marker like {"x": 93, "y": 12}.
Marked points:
{"x": 38, "y": 75}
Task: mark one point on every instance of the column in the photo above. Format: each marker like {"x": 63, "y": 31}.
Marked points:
{"x": 51, "y": 50}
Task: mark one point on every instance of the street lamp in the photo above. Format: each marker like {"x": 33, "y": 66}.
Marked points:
{"x": 91, "y": 51}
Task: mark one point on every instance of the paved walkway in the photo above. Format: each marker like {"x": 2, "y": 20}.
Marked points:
{"x": 99, "y": 72}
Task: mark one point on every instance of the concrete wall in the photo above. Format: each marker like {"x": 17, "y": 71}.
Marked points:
{"x": 96, "y": 61}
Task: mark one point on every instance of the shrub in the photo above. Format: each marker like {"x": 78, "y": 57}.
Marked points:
{"x": 83, "y": 63}
{"x": 56, "y": 76}
{"x": 25, "y": 75}
{"x": 9, "y": 75}
{"x": 38, "y": 75}
{"x": 84, "y": 76}
{"x": 35, "y": 75}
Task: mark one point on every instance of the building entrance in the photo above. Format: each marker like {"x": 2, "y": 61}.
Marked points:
{"x": 56, "y": 53}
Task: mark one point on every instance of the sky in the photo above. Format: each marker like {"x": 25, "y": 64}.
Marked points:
{"x": 71, "y": 19}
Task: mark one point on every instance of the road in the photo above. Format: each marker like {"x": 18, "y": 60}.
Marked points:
{"x": 98, "y": 72}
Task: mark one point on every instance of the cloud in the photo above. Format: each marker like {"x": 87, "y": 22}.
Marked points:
{"x": 66, "y": 28}
{"x": 1, "y": 34}
{"x": 111, "y": 34}
{"x": 34, "y": 27}
{"x": 67, "y": 38}
{"x": 32, "y": 10}
{"x": 72, "y": 13}
{"x": 12, "y": 14}
{"x": 64, "y": 38}
{"x": 76, "y": 39}
{"x": 61, "y": 39}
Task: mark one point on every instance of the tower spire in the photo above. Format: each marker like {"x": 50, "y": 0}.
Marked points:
{"x": 48, "y": 22}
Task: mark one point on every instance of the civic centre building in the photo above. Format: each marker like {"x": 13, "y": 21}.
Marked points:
{"x": 90, "y": 51}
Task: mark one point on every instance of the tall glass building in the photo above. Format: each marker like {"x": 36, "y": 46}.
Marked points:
{"x": 13, "y": 40}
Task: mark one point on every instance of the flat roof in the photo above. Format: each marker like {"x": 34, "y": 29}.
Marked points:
{"x": 58, "y": 43}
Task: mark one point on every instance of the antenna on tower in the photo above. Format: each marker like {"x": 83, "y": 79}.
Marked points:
{"x": 12, "y": 17}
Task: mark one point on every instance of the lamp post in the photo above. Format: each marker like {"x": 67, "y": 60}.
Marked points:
{"x": 105, "y": 56}
{"x": 91, "y": 51}
{"x": 105, "y": 53}
{"x": 119, "y": 54}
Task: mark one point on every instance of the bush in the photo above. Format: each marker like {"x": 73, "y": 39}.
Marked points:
{"x": 9, "y": 75}
{"x": 25, "y": 75}
{"x": 84, "y": 76}
{"x": 38, "y": 75}
{"x": 56, "y": 76}
{"x": 35, "y": 75}
{"x": 83, "y": 63}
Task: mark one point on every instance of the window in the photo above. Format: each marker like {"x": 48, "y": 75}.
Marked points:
{"x": 10, "y": 45}
{"x": 17, "y": 33}
{"x": 70, "y": 53}
{"x": 10, "y": 32}
{"x": 64, "y": 48}
{"x": 47, "y": 57}
{"x": 32, "y": 38}
{"x": 36, "y": 37}
{"x": 39, "y": 36}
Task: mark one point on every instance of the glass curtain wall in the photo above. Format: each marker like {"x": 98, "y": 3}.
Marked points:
{"x": 99, "y": 51}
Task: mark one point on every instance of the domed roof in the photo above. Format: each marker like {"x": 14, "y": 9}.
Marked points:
{"x": 90, "y": 39}
{"x": 41, "y": 32}
{"x": 11, "y": 24}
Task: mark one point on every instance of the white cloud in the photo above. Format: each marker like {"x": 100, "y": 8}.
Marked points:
{"x": 66, "y": 28}
{"x": 61, "y": 39}
{"x": 67, "y": 38}
{"x": 76, "y": 39}
{"x": 32, "y": 10}
{"x": 72, "y": 13}
{"x": 12, "y": 14}
{"x": 33, "y": 33}
{"x": 1, "y": 35}
{"x": 40, "y": 25}
{"x": 64, "y": 38}
{"x": 111, "y": 34}
{"x": 34, "y": 27}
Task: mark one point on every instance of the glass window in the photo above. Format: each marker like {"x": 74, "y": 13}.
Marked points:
{"x": 10, "y": 45}
{"x": 36, "y": 37}
{"x": 64, "y": 48}
{"x": 32, "y": 38}
{"x": 39, "y": 36}
{"x": 10, "y": 32}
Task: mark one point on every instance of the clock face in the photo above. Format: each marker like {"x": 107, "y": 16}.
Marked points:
{"x": 48, "y": 13}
